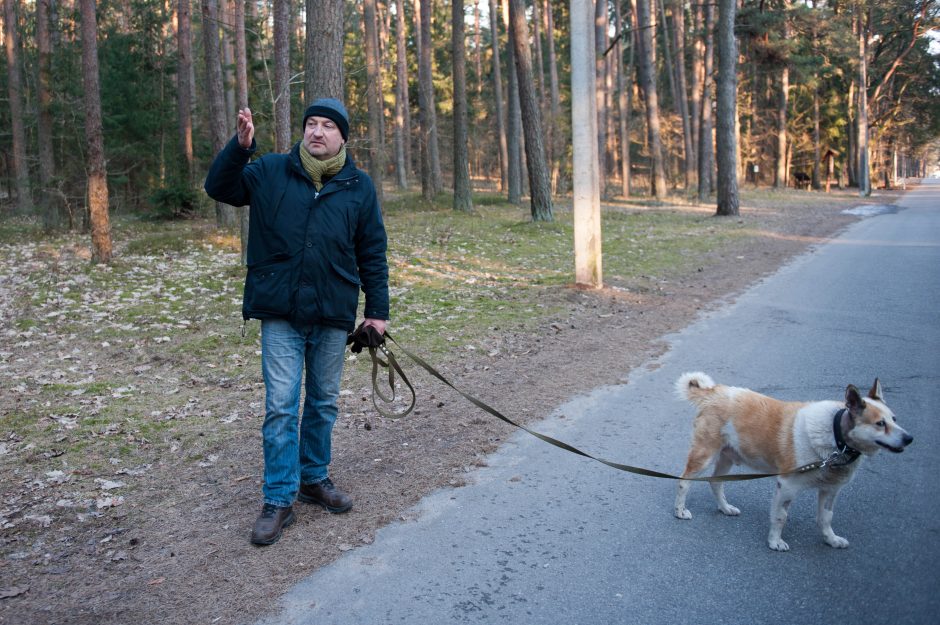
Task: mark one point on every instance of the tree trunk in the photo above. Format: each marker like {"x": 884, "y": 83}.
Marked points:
{"x": 706, "y": 151}
{"x": 864, "y": 173}
{"x": 780, "y": 165}
{"x": 682, "y": 102}
{"x": 623, "y": 99}
{"x": 540, "y": 186}
{"x": 462, "y": 199}
{"x": 698, "y": 76}
{"x": 184, "y": 96}
{"x": 50, "y": 211}
{"x": 14, "y": 88}
{"x": 555, "y": 136}
{"x": 500, "y": 112}
{"x": 600, "y": 68}
{"x": 431, "y": 178}
{"x": 376, "y": 104}
{"x": 726, "y": 111}
{"x": 586, "y": 190}
{"x": 648, "y": 84}
{"x": 225, "y": 217}
{"x": 241, "y": 101}
{"x": 228, "y": 59}
{"x": 514, "y": 119}
{"x": 323, "y": 55}
{"x": 282, "y": 30}
{"x": 94, "y": 138}
{"x": 402, "y": 118}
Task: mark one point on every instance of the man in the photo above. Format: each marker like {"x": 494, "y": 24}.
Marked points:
{"x": 316, "y": 237}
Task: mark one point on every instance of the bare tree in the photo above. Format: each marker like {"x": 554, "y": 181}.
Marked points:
{"x": 555, "y": 136}
{"x": 241, "y": 101}
{"x": 374, "y": 95}
{"x": 648, "y": 84}
{"x": 184, "y": 94}
{"x": 539, "y": 181}
{"x": 44, "y": 127}
{"x": 624, "y": 92}
{"x": 600, "y": 67}
{"x": 323, "y": 55}
{"x": 282, "y": 30}
{"x": 682, "y": 102}
{"x": 402, "y": 117}
{"x": 14, "y": 88}
{"x": 462, "y": 198}
{"x": 513, "y": 119}
{"x": 726, "y": 110}
{"x": 94, "y": 137}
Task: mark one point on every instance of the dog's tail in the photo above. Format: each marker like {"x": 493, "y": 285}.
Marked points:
{"x": 695, "y": 387}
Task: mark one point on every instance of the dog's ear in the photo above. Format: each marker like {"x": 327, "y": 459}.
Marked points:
{"x": 853, "y": 399}
{"x": 875, "y": 392}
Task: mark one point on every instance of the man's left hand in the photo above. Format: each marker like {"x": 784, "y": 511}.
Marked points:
{"x": 378, "y": 324}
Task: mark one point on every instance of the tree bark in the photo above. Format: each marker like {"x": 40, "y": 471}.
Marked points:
{"x": 225, "y": 216}
{"x": 726, "y": 111}
{"x": 323, "y": 56}
{"x": 500, "y": 112}
{"x": 241, "y": 101}
{"x": 431, "y": 178}
{"x": 623, "y": 99}
{"x": 50, "y": 211}
{"x": 462, "y": 198}
{"x": 648, "y": 84}
{"x": 402, "y": 118}
{"x": 600, "y": 93}
{"x": 184, "y": 96}
{"x": 513, "y": 118}
{"x": 282, "y": 30}
{"x": 682, "y": 102}
{"x": 376, "y": 104}
{"x": 555, "y": 136}
{"x": 539, "y": 181}
{"x": 586, "y": 190}
{"x": 706, "y": 150}
{"x": 15, "y": 90}
{"x": 864, "y": 173}
{"x": 780, "y": 165}
{"x": 94, "y": 137}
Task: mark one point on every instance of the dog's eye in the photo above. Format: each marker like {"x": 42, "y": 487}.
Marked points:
{"x": 881, "y": 423}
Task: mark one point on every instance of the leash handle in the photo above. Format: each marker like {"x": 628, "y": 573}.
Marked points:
{"x": 390, "y": 363}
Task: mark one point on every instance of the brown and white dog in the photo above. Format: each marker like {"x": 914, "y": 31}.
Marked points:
{"x": 739, "y": 426}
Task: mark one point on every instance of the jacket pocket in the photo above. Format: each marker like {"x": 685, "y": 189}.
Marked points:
{"x": 341, "y": 304}
{"x": 269, "y": 288}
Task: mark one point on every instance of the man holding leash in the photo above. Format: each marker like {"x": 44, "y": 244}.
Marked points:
{"x": 316, "y": 236}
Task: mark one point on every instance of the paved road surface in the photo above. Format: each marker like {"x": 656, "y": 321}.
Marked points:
{"x": 543, "y": 536}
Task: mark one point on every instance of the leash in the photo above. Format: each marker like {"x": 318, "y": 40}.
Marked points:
{"x": 837, "y": 458}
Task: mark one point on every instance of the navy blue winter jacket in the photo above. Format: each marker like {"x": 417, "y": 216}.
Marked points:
{"x": 309, "y": 253}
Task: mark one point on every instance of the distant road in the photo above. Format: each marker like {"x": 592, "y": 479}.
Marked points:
{"x": 545, "y": 537}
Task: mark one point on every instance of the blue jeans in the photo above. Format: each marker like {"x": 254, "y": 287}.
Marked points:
{"x": 286, "y": 353}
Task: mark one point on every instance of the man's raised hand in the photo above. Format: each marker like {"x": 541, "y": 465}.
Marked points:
{"x": 246, "y": 129}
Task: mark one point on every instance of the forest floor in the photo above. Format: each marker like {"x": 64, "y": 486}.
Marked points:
{"x": 142, "y": 515}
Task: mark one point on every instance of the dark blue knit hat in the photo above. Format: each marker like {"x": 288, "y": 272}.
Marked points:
{"x": 332, "y": 109}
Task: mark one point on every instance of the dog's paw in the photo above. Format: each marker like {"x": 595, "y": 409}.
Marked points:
{"x": 778, "y": 544}
{"x": 837, "y": 542}
{"x": 683, "y": 513}
{"x": 730, "y": 510}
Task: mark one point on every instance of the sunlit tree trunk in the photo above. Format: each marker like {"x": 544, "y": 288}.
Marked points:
{"x": 648, "y": 84}
{"x": 184, "y": 94}
{"x": 513, "y": 118}
{"x": 539, "y": 181}
{"x": 94, "y": 139}
{"x": 323, "y": 54}
{"x": 14, "y": 89}
{"x": 241, "y": 101}
{"x": 682, "y": 102}
{"x": 623, "y": 99}
{"x": 864, "y": 172}
{"x": 600, "y": 68}
{"x": 462, "y": 199}
{"x": 225, "y": 216}
{"x": 500, "y": 110}
{"x": 780, "y": 165}
{"x": 431, "y": 178}
{"x": 282, "y": 30}
{"x": 706, "y": 150}
{"x": 555, "y": 134}
{"x": 375, "y": 103}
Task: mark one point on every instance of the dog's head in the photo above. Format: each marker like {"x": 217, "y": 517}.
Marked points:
{"x": 869, "y": 425}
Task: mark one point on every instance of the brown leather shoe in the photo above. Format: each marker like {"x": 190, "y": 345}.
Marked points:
{"x": 327, "y": 495}
{"x": 270, "y": 524}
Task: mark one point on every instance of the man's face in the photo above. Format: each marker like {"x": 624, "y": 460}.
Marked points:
{"x": 322, "y": 137}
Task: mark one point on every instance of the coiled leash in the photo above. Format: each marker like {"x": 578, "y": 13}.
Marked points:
{"x": 369, "y": 338}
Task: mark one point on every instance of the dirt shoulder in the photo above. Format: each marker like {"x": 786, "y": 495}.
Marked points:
{"x": 181, "y": 554}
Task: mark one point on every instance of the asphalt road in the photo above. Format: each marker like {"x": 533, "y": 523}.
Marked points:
{"x": 543, "y": 536}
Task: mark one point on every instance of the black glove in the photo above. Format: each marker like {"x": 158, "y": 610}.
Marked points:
{"x": 364, "y": 336}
